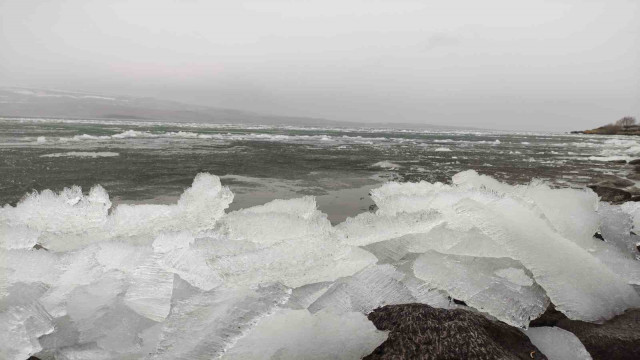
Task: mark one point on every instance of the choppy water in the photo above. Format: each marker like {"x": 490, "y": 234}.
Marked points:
{"x": 154, "y": 162}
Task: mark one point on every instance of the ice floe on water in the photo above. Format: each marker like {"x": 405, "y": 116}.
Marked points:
{"x": 192, "y": 280}
{"x": 385, "y": 164}
{"x": 83, "y": 154}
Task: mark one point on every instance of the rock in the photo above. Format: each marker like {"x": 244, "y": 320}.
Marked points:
{"x": 616, "y": 182}
{"x": 633, "y": 176}
{"x": 634, "y": 162}
{"x": 598, "y": 236}
{"x": 618, "y": 161}
{"x": 419, "y": 331}
{"x": 633, "y": 190}
{"x": 616, "y": 339}
{"x": 39, "y": 247}
{"x": 610, "y": 194}
{"x": 635, "y": 198}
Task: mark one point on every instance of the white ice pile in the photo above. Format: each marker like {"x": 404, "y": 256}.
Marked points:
{"x": 80, "y": 280}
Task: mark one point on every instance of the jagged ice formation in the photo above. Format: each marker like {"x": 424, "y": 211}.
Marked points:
{"x": 81, "y": 280}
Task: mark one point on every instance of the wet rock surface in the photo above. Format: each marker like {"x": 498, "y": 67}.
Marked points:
{"x": 616, "y": 339}
{"x": 611, "y": 194}
{"x": 418, "y": 331}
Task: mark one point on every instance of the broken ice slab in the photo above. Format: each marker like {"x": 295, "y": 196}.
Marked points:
{"x": 20, "y": 327}
{"x": 205, "y": 324}
{"x": 497, "y": 286}
{"x": 150, "y": 291}
{"x": 440, "y": 238}
{"x": 368, "y": 228}
{"x": 580, "y": 285}
{"x": 294, "y": 263}
{"x": 370, "y": 288}
{"x": 297, "y": 334}
{"x": 557, "y": 343}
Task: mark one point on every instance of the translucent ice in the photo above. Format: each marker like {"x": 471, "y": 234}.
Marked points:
{"x": 80, "y": 279}
{"x": 297, "y": 334}
{"x": 204, "y": 325}
{"x": 370, "y": 288}
{"x": 498, "y": 286}
{"x": 557, "y": 344}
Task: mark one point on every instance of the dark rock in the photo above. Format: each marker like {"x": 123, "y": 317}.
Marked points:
{"x": 634, "y": 162}
{"x": 618, "y": 161}
{"x": 39, "y": 247}
{"x": 610, "y": 194}
{"x": 418, "y": 331}
{"x": 550, "y": 317}
{"x": 373, "y": 208}
{"x": 635, "y": 198}
{"x": 616, "y": 182}
{"x": 598, "y": 236}
{"x": 616, "y": 339}
{"x": 459, "y": 302}
{"x": 633, "y": 176}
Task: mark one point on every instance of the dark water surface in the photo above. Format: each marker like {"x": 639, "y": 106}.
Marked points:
{"x": 154, "y": 162}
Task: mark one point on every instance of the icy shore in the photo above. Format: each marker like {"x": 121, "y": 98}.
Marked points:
{"x": 191, "y": 281}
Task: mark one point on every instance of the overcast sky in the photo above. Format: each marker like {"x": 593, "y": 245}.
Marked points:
{"x": 536, "y": 65}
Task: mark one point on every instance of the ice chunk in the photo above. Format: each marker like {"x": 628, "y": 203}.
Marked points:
{"x": 515, "y": 275}
{"x": 286, "y": 241}
{"x": 293, "y": 263}
{"x": 303, "y": 296}
{"x": 22, "y": 321}
{"x": 368, "y": 228}
{"x": 571, "y": 212}
{"x": 204, "y": 325}
{"x": 63, "y": 220}
{"x": 296, "y": 334}
{"x": 514, "y": 299}
{"x": 442, "y": 239}
{"x": 557, "y": 344}
{"x": 198, "y": 209}
{"x": 150, "y": 291}
{"x": 386, "y": 165}
{"x": 117, "y": 331}
{"x": 85, "y": 301}
{"x": 277, "y": 221}
{"x": 177, "y": 255}
{"x": 29, "y": 266}
{"x": 617, "y": 226}
{"x": 370, "y": 288}
{"x": 580, "y": 285}
{"x": 18, "y": 237}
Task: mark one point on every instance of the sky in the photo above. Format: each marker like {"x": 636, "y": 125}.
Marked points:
{"x": 503, "y": 64}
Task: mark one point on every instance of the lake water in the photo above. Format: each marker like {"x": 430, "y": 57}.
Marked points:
{"x": 147, "y": 162}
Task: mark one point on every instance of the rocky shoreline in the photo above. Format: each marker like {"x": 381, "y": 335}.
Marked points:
{"x": 418, "y": 331}
{"x": 617, "y": 190}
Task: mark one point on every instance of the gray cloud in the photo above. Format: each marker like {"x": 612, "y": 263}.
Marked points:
{"x": 533, "y": 65}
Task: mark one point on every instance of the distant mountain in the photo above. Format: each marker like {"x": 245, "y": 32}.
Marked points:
{"x": 22, "y": 102}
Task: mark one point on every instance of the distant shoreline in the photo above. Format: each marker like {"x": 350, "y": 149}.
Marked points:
{"x": 634, "y": 131}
